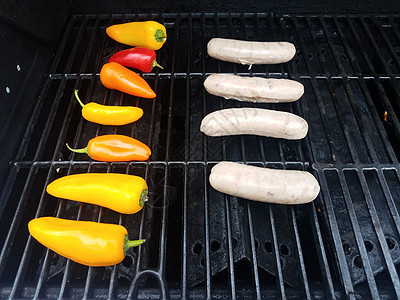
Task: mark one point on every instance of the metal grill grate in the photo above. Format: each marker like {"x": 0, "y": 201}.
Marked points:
{"x": 201, "y": 243}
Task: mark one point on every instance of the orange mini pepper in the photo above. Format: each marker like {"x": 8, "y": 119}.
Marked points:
{"x": 115, "y": 147}
{"x": 109, "y": 115}
{"x": 88, "y": 243}
{"x": 122, "y": 193}
{"x": 117, "y": 77}
{"x": 149, "y": 34}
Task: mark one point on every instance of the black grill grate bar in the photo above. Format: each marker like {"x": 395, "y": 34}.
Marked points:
{"x": 334, "y": 229}
{"x": 15, "y": 221}
{"x": 375, "y": 45}
{"x": 358, "y": 42}
{"x": 171, "y": 91}
{"x": 253, "y": 251}
{"x": 360, "y": 119}
{"x": 389, "y": 198}
{"x": 394, "y": 28}
{"x": 279, "y": 164}
{"x": 315, "y": 90}
{"x": 380, "y": 235}
{"x": 349, "y": 52}
{"x": 358, "y": 237}
{"x": 185, "y": 253}
{"x": 338, "y": 109}
{"x": 300, "y": 257}
{"x": 359, "y": 115}
{"x": 374, "y": 113}
{"x": 205, "y": 182}
{"x": 40, "y": 102}
{"x": 187, "y": 94}
{"x": 333, "y": 148}
{"x": 133, "y": 286}
{"x": 387, "y": 42}
{"x": 58, "y": 97}
{"x": 321, "y": 252}
{"x": 184, "y": 75}
{"x": 303, "y": 47}
{"x": 316, "y": 46}
{"x": 8, "y": 187}
{"x": 331, "y": 46}
{"x": 279, "y": 274}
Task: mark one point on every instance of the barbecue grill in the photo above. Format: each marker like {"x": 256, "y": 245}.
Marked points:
{"x": 202, "y": 243}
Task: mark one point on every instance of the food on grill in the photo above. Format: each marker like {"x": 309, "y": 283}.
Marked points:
{"x": 250, "y": 53}
{"x": 149, "y": 34}
{"x": 263, "y": 184}
{"x": 122, "y": 193}
{"x": 253, "y": 89}
{"x": 115, "y": 147}
{"x": 257, "y": 121}
{"x": 88, "y": 243}
{"x": 140, "y": 58}
{"x": 109, "y": 115}
{"x": 117, "y": 77}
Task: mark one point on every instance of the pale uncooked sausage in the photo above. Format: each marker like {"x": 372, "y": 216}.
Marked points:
{"x": 253, "y": 89}
{"x": 264, "y": 184}
{"x": 257, "y": 121}
{"x": 250, "y": 53}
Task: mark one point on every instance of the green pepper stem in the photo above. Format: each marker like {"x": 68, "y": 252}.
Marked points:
{"x": 160, "y": 36}
{"x": 77, "y": 98}
{"x": 82, "y": 150}
{"x": 155, "y": 64}
{"x": 143, "y": 198}
{"x": 129, "y": 244}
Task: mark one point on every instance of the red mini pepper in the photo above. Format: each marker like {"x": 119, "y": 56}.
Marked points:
{"x": 140, "y": 58}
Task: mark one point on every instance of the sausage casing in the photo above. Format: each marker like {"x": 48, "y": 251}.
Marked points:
{"x": 253, "y": 89}
{"x": 250, "y": 53}
{"x": 264, "y": 184}
{"x": 256, "y": 121}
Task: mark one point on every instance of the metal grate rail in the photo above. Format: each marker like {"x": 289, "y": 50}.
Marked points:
{"x": 201, "y": 243}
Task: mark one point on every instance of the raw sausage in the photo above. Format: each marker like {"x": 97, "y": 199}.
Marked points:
{"x": 253, "y": 89}
{"x": 263, "y": 184}
{"x": 249, "y": 53}
{"x": 257, "y": 121}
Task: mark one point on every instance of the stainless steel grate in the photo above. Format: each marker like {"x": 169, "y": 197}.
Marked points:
{"x": 200, "y": 243}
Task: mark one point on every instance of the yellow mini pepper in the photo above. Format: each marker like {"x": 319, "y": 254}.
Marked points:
{"x": 88, "y": 243}
{"x": 109, "y": 115}
{"x": 149, "y": 34}
{"x": 122, "y": 193}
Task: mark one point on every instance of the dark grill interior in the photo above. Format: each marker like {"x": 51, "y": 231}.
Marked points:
{"x": 201, "y": 243}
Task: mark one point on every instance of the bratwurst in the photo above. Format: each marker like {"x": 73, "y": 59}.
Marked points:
{"x": 250, "y": 53}
{"x": 253, "y": 89}
{"x": 257, "y": 121}
{"x": 263, "y": 184}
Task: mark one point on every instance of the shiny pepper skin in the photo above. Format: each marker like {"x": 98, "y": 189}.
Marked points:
{"x": 117, "y": 77}
{"x": 115, "y": 147}
{"x": 140, "y": 58}
{"x": 88, "y": 243}
{"x": 122, "y": 193}
{"x": 109, "y": 115}
{"x": 149, "y": 34}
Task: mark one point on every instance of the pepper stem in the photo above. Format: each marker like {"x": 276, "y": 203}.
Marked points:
{"x": 160, "y": 36}
{"x": 155, "y": 64}
{"x": 143, "y": 198}
{"x": 82, "y": 150}
{"x": 77, "y": 98}
{"x": 129, "y": 244}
